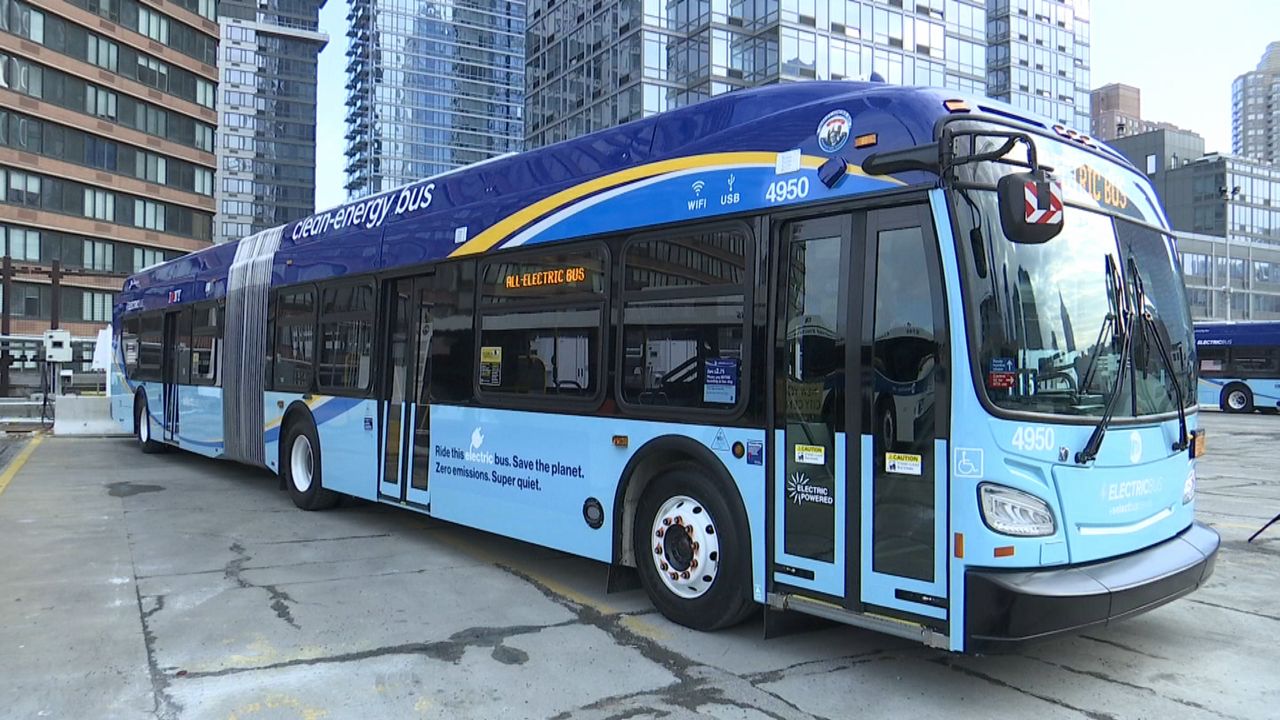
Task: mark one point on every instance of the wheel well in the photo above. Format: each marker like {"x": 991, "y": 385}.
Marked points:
{"x": 650, "y": 461}
{"x": 296, "y": 412}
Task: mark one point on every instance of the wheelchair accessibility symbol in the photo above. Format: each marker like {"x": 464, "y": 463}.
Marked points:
{"x": 967, "y": 462}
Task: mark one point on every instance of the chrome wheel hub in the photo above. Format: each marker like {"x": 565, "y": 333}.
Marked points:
{"x": 685, "y": 547}
{"x": 300, "y": 460}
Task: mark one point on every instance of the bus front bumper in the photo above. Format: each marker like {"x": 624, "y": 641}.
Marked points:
{"x": 1005, "y": 608}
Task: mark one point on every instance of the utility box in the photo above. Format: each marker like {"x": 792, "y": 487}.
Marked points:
{"x": 57, "y": 346}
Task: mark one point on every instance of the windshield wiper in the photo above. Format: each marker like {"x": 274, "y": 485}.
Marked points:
{"x": 1123, "y": 327}
{"x": 1110, "y": 321}
{"x": 1151, "y": 333}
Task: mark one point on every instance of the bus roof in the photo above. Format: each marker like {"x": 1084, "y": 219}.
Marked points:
{"x": 1246, "y": 333}
{"x": 645, "y": 173}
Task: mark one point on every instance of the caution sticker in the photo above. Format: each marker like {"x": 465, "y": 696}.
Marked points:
{"x": 811, "y": 455}
{"x": 903, "y": 463}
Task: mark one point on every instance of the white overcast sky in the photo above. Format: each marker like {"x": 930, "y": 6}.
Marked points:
{"x": 1183, "y": 54}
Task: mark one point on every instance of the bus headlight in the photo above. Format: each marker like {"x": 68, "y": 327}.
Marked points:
{"x": 1189, "y": 487}
{"x": 1013, "y": 512}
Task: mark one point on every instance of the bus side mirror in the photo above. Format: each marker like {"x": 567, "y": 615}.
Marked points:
{"x": 1030, "y": 207}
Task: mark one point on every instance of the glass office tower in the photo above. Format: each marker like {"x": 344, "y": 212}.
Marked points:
{"x": 266, "y": 114}
{"x": 431, "y": 85}
{"x": 597, "y": 63}
{"x": 1039, "y": 57}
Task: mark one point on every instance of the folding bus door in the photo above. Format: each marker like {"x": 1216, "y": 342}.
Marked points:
{"x": 406, "y": 448}
{"x": 859, "y": 489}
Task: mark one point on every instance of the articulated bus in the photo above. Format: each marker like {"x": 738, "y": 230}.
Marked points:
{"x": 902, "y": 359}
{"x": 1239, "y": 365}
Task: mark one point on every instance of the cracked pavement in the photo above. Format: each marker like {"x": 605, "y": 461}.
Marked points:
{"x": 171, "y": 586}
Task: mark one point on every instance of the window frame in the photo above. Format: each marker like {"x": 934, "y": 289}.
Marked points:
{"x": 747, "y": 288}
{"x": 371, "y": 316}
{"x": 218, "y": 333}
{"x": 603, "y": 302}
{"x": 275, "y": 326}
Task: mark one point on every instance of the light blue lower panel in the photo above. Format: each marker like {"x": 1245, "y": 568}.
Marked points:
{"x": 828, "y": 577}
{"x": 527, "y": 475}
{"x": 348, "y": 439}
{"x": 200, "y": 419}
{"x": 879, "y": 588}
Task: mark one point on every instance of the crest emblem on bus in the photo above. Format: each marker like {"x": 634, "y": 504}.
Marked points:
{"x": 833, "y": 131}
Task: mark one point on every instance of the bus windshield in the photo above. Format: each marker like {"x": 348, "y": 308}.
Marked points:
{"x": 1045, "y": 336}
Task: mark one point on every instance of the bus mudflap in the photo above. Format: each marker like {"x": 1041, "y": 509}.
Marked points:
{"x": 1006, "y": 608}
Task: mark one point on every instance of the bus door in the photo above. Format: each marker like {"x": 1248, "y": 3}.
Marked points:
{"x": 172, "y": 355}
{"x": 406, "y": 448}
{"x": 859, "y": 499}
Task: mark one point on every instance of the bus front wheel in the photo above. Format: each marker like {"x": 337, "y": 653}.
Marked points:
{"x": 142, "y": 427}
{"x": 1237, "y": 398}
{"x": 300, "y": 462}
{"x": 692, "y": 551}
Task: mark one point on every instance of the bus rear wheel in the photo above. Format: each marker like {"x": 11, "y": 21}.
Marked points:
{"x": 692, "y": 551}
{"x": 300, "y": 463}
{"x": 1236, "y": 398}
{"x": 142, "y": 427}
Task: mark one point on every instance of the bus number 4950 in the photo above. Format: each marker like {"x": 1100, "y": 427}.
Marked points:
{"x": 789, "y": 189}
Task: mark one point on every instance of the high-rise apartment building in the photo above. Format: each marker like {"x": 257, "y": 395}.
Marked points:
{"x": 1116, "y": 111}
{"x": 106, "y": 148}
{"x": 1039, "y": 57}
{"x": 1255, "y": 110}
{"x": 431, "y": 86}
{"x": 266, "y": 106}
{"x": 593, "y": 64}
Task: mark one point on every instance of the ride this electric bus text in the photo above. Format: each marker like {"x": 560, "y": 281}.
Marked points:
{"x": 800, "y": 346}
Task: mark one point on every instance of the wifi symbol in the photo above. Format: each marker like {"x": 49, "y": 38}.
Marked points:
{"x": 697, "y": 187}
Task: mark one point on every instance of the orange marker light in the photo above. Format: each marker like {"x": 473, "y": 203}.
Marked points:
{"x": 866, "y": 141}
{"x": 959, "y": 545}
{"x": 620, "y": 441}
{"x": 1004, "y": 551}
{"x": 955, "y": 106}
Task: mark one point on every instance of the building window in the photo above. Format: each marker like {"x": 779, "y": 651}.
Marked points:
{"x": 99, "y": 102}
{"x": 99, "y": 255}
{"x": 1151, "y": 164}
{"x": 153, "y": 72}
{"x": 151, "y": 168}
{"x": 102, "y": 52}
{"x": 100, "y": 205}
{"x": 20, "y": 188}
{"x": 22, "y": 244}
{"x": 153, "y": 25}
{"x": 97, "y": 306}
{"x": 149, "y": 215}
{"x": 206, "y": 93}
{"x": 203, "y": 183}
{"x": 146, "y": 257}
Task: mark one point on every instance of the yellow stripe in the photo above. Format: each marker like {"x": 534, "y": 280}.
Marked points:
{"x": 313, "y": 403}
{"x": 11, "y": 471}
{"x": 502, "y": 229}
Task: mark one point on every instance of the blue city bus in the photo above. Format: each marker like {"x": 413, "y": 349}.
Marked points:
{"x": 903, "y": 359}
{"x": 1239, "y": 365}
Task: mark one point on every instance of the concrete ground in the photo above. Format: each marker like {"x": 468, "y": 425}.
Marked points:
{"x": 176, "y": 587}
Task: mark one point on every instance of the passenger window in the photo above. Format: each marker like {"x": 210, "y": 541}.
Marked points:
{"x": 182, "y": 340}
{"x": 295, "y": 340}
{"x": 541, "y": 325}
{"x": 129, "y": 338}
{"x": 683, "y": 320}
{"x": 150, "y": 347}
{"x": 346, "y": 338}
{"x": 206, "y": 345}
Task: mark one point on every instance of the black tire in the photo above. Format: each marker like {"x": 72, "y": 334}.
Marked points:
{"x": 304, "y": 480}
{"x": 726, "y": 599}
{"x": 142, "y": 428}
{"x": 1236, "y": 398}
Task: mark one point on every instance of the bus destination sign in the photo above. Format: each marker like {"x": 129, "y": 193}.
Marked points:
{"x": 543, "y": 278}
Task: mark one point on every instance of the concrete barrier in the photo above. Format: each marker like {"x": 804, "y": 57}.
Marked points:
{"x": 77, "y": 415}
